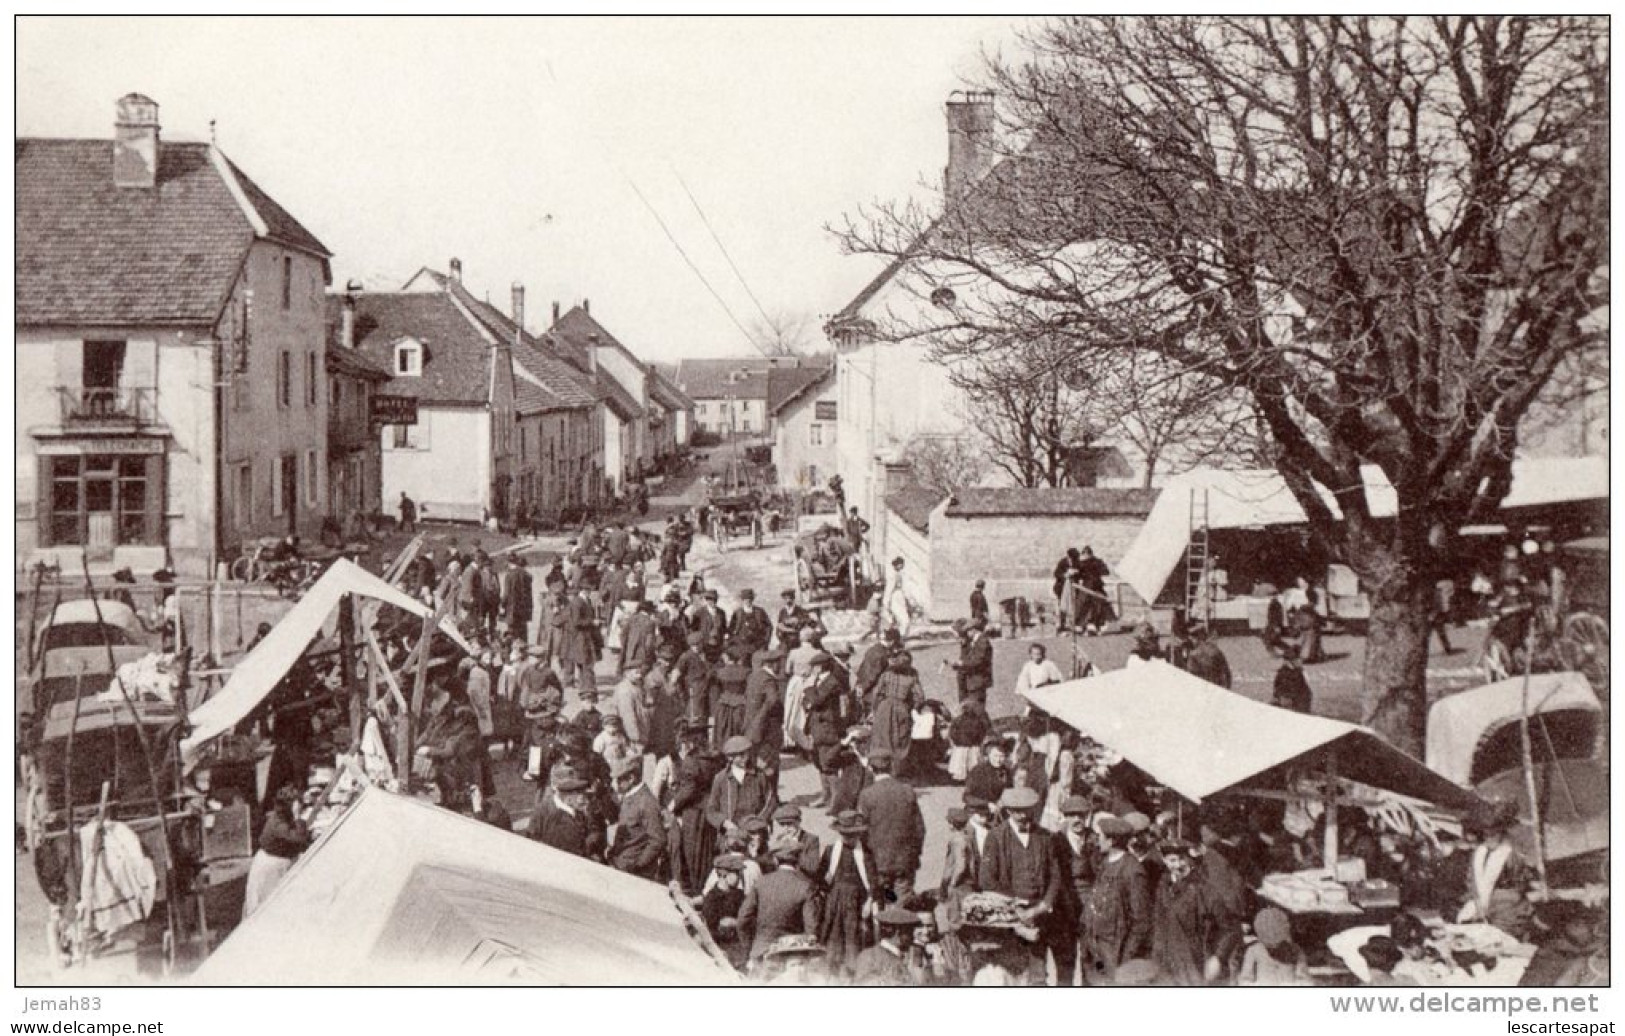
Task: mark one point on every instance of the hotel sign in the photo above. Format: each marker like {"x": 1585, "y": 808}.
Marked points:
{"x": 393, "y": 410}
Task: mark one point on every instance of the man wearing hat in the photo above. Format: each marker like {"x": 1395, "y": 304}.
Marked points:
{"x": 639, "y": 638}
{"x": 585, "y": 715}
{"x": 552, "y": 628}
{"x": 517, "y": 601}
{"x": 851, "y": 891}
{"x": 1076, "y": 856}
{"x": 721, "y": 904}
{"x": 739, "y": 791}
{"x": 1291, "y": 690}
{"x": 896, "y": 826}
{"x": 639, "y": 846}
{"x": 1018, "y": 862}
{"x": 582, "y": 643}
{"x": 978, "y": 603}
{"x": 1205, "y": 660}
{"x": 974, "y": 667}
{"x": 1117, "y": 915}
{"x": 784, "y": 902}
{"x": 787, "y": 830}
{"x": 764, "y": 713}
{"x": 787, "y": 625}
{"x": 750, "y": 625}
{"x": 823, "y": 698}
{"x": 710, "y": 622}
{"x": 561, "y": 819}
{"x": 693, "y": 839}
{"x": 873, "y": 665}
{"x": 895, "y": 960}
{"x": 692, "y": 673}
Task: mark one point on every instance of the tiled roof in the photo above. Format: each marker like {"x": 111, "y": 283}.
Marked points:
{"x": 91, "y": 253}
{"x": 561, "y": 386}
{"x": 666, "y": 392}
{"x": 721, "y": 378}
{"x": 914, "y": 503}
{"x": 457, "y": 356}
{"x": 787, "y": 384}
{"x": 1014, "y": 502}
{"x": 573, "y": 332}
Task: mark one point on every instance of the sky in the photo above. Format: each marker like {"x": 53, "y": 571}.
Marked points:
{"x": 521, "y": 146}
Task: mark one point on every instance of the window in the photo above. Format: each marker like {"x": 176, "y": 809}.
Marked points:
{"x": 287, "y": 282}
{"x": 409, "y": 359}
{"x": 242, "y": 498}
{"x": 408, "y": 437}
{"x": 100, "y": 501}
{"x": 284, "y": 379}
{"x": 815, "y": 435}
{"x": 524, "y": 444}
{"x": 277, "y": 489}
{"x": 313, "y": 479}
{"x": 310, "y": 379}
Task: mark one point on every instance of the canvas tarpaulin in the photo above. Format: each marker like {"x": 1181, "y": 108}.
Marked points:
{"x": 262, "y": 668}
{"x": 1459, "y": 723}
{"x": 402, "y": 892}
{"x": 1199, "y": 739}
{"x": 1258, "y": 499}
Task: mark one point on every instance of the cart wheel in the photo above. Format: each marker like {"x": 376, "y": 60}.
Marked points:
{"x": 1584, "y": 647}
{"x": 242, "y": 569}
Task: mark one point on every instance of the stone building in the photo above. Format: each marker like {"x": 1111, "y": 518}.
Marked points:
{"x": 172, "y": 394}
{"x": 802, "y": 410}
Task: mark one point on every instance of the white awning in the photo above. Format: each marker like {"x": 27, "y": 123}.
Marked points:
{"x": 1200, "y": 739}
{"x": 262, "y": 668}
{"x": 1258, "y": 499}
{"x": 401, "y": 892}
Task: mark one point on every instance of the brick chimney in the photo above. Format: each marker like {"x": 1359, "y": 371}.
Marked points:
{"x": 970, "y": 140}
{"x": 586, "y": 305}
{"x": 519, "y": 305}
{"x": 456, "y": 266}
{"x": 135, "y": 142}
{"x": 555, "y": 312}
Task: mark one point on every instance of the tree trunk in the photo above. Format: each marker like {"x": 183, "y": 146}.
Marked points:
{"x": 1394, "y": 700}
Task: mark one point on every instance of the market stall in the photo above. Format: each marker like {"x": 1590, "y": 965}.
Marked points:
{"x": 402, "y": 892}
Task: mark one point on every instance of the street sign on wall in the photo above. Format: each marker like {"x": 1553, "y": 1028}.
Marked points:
{"x": 393, "y": 410}
{"x": 824, "y": 410}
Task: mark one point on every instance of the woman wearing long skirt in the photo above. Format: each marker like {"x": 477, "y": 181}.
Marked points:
{"x": 281, "y": 841}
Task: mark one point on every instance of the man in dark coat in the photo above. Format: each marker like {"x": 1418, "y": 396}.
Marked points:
{"x": 1091, "y": 585}
{"x": 978, "y": 602}
{"x": 784, "y": 902}
{"x": 764, "y": 713}
{"x": 823, "y": 698}
{"x": 1018, "y": 861}
{"x": 711, "y": 623}
{"x": 728, "y": 698}
{"x": 639, "y": 639}
{"x": 639, "y": 846}
{"x": 787, "y": 831}
{"x": 693, "y": 839}
{"x": 974, "y": 667}
{"x": 1205, "y": 659}
{"x": 738, "y": 791}
{"x": 851, "y": 888}
{"x": 1076, "y": 855}
{"x": 791, "y": 618}
{"x": 561, "y": 819}
{"x": 874, "y": 663}
{"x": 988, "y": 779}
{"x": 1117, "y": 916}
{"x": 750, "y": 624}
{"x": 581, "y": 640}
{"x": 1291, "y": 689}
{"x": 517, "y": 603}
{"x": 896, "y": 827}
{"x": 692, "y": 674}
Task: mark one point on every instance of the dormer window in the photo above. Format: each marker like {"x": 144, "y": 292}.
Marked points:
{"x": 409, "y": 359}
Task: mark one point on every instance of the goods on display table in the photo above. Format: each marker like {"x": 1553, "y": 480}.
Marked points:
{"x": 1453, "y": 955}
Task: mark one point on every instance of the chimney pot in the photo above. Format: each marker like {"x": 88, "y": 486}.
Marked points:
{"x": 519, "y": 305}
{"x": 135, "y": 142}
{"x": 456, "y": 271}
{"x": 970, "y": 140}
{"x": 555, "y": 311}
{"x": 347, "y": 318}
{"x": 586, "y": 305}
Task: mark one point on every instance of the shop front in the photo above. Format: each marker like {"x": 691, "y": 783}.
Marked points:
{"x": 101, "y": 494}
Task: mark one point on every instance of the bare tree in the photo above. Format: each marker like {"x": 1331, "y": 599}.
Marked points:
{"x": 1383, "y": 231}
{"x": 784, "y": 334}
{"x": 1175, "y": 420}
{"x": 1029, "y": 410}
{"x": 946, "y": 462}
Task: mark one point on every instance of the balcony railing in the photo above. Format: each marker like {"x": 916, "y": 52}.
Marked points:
{"x": 135, "y": 406}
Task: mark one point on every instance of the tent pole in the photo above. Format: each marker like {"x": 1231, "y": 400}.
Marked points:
{"x": 1528, "y": 753}
{"x": 1329, "y": 849}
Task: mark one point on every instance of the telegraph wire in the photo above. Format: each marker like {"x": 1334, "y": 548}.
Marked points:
{"x": 721, "y": 247}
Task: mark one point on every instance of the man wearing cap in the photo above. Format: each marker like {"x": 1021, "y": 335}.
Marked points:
{"x": 787, "y": 830}
{"x": 895, "y": 960}
{"x": 721, "y": 903}
{"x": 553, "y": 626}
{"x": 710, "y": 622}
{"x": 874, "y": 663}
{"x": 896, "y": 826}
{"x": 639, "y": 639}
{"x": 788, "y": 623}
{"x": 581, "y": 640}
{"x": 1075, "y": 855}
{"x": 764, "y": 713}
{"x": 784, "y": 902}
{"x": 974, "y": 667}
{"x": 739, "y": 791}
{"x": 639, "y": 845}
{"x": 561, "y": 819}
{"x": 823, "y": 698}
{"x": 750, "y": 625}
{"x": 629, "y": 702}
{"x": 1117, "y": 915}
{"x": 1018, "y": 862}
{"x": 584, "y": 715}
{"x": 692, "y": 673}
{"x": 978, "y": 603}
{"x": 851, "y": 891}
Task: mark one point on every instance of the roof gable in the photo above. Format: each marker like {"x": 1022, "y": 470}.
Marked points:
{"x": 786, "y": 385}
{"x": 457, "y": 351}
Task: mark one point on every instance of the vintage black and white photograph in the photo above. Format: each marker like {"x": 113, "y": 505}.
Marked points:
{"x": 812, "y": 501}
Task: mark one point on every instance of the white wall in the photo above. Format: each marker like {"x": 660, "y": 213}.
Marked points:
{"x": 615, "y": 447}
{"x": 453, "y": 470}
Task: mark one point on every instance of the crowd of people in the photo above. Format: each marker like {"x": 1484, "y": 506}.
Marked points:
{"x": 1063, "y": 862}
